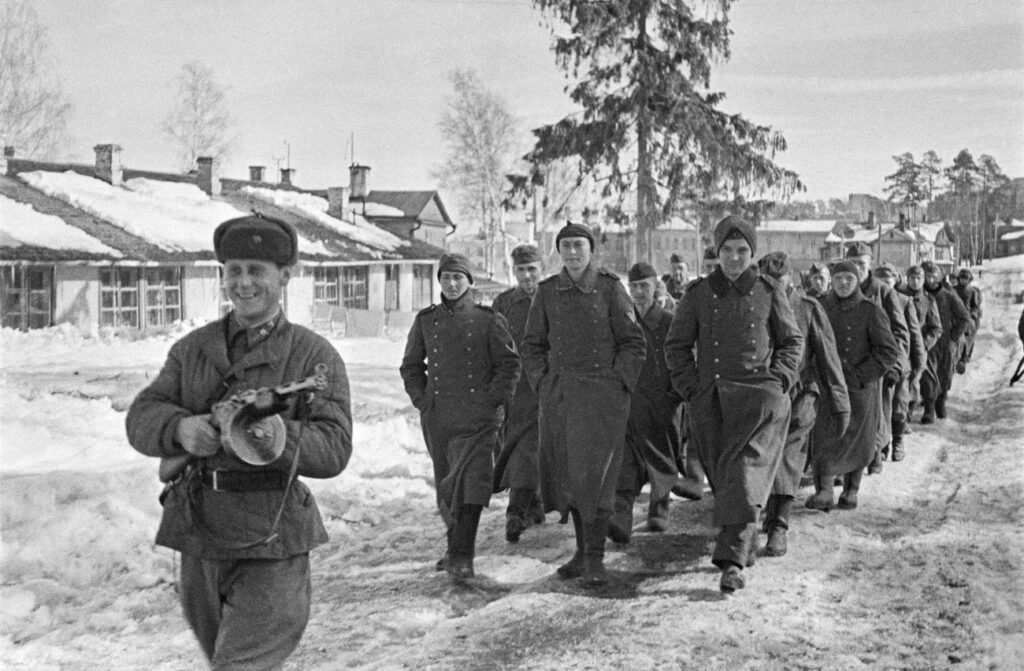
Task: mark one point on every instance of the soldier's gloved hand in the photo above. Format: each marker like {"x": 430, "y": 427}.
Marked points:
{"x": 842, "y": 422}
{"x": 198, "y": 436}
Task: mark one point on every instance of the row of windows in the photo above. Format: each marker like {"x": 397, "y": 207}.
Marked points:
{"x": 136, "y": 298}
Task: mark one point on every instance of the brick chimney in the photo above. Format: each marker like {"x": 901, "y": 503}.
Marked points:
{"x": 204, "y": 174}
{"x": 358, "y": 176}
{"x": 8, "y": 154}
{"x": 108, "y": 163}
{"x": 337, "y": 201}
{"x": 286, "y": 175}
{"x": 256, "y": 173}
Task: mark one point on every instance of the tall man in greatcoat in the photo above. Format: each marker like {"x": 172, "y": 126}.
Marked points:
{"x": 821, "y": 388}
{"x": 244, "y": 530}
{"x": 460, "y": 369}
{"x": 733, "y": 351}
{"x": 655, "y": 414}
{"x": 583, "y": 351}
{"x": 943, "y": 356}
{"x": 911, "y": 364}
{"x": 517, "y": 468}
{"x": 872, "y": 289}
{"x": 970, "y": 296}
{"x": 867, "y": 350}
{"x": 931, "y": 330}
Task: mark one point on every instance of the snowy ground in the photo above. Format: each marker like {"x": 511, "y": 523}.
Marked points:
{"x": 926, "y": 574}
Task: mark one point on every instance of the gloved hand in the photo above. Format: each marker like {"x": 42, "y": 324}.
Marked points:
{"x": 198, "y": 436}
{"x": 842, "y": 422}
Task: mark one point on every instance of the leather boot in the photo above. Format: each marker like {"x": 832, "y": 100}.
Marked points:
{"x": 929, "y": 412}
{"x": 875, "y": 467}
{"x": 459, "y": 562}
{"x": 898, "y": 429}
{"x": 574, "y": 567}
{"x": 535, "y": 513}
{"x": 690, "y": 484}
{"x": 620, "y": 525}
{"x": 594, "y": 574}
{"x": 940, "y": 406}
{"x": 823, "y": 497}
{"x": 657, "y": 516}
{"x": 516, "y": 520}
{"x": 777, "y": 523}
{"x": 851, "y": 484}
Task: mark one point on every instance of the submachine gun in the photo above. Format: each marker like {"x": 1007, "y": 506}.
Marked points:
{"x": 251, "y": 429}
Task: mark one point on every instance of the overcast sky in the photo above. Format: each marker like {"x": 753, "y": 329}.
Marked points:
{"x": 849, "y": 83}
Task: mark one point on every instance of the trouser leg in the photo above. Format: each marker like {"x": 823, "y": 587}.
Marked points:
{"x": 594, "y": 533}
{"x": 517, "y": 517}
{"x": 734, "y": 545}
{"x": 462, "y": 547}
{"x": 574, "y": 567}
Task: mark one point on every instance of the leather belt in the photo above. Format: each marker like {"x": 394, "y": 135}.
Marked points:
{"x": 244, "y": 481}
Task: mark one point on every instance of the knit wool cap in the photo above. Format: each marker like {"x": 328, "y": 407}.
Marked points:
{"x": 928, "y": 266}
{"x": 886, "y": 270}
{"x": 525, "y": 254}
{"x": 256, "y": 237}
{"x": 571, "y": 230}
{"x": 675, "y": 258}
{"x": 844, "y": 267}
{"x": 733, "y": 227}
{"x": 454, "y": 263}
{"x": 858, "y": 249}
{"x": 915, "y": 270}
{"x": 774, "y": 264}
{"x": 641, "y": 271}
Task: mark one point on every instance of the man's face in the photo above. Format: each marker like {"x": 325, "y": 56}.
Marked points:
{"x": 680, "y": 272}
{"x": 819, "y": 282}
{"x": 933, "y": 278}
{"x": 734, "y": 257}
{"x": 254, "y": 288}
{"x": 863, "y": 263}
{"x": 575, "y": 253}
{"x": 964, "y": 281}
{"x": 844, "y": 284}
{"x": 642, "y": 292}
{"x": 915, "y": 282}
{"x": 454, "y": 284}
{"x": 889, "y": 280}
{"x": 527, "y": 275}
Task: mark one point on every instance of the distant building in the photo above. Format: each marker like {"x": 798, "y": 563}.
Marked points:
{"x": 901, "y": 246}
{"x": 1010, "y": 238}
{"x": 802, "y": 240}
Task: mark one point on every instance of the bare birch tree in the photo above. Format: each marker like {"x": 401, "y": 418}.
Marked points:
{"x": 34, "y": 109}
{"x": 199, "y": 124}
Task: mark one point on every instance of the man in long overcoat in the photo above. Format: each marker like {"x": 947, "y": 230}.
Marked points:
{"x": 460, "y": 369}
{"x": 583, "y": 351}
{"x": 911, "y": 364}
{"x": 821, "y": 388}
{"x": 867, "y": 350}
{"x": 931, "y": 330}
{"x": 970, "y": 296}
{"x": 733, "y": 351}
{"x": 655, "y": 413}
{"x": 943, "y": 356}
{"x": 517, "y": 465}
{"x": 244, "y": 530}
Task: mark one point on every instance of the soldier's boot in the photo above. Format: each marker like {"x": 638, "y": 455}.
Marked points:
{"x": 594, "y": 574}
{"x": 443, "y": 561}
{"x": 620, "y": 525}
{"x": 940, "y": 406}
{"x": 875, "y": 467}
{"x": 732, "y": 579}
{"x": 851, "y": 485}
{"x": 776, "y": 524}
{"x": 535, "y": 513}
{"x": 691, "y": 484}
{"x": 574, "y": 567}
{"x": 657, "y": 516}
{"x": 899, "y": 428}
{"x": 459, "y": 562}
{"x": 929, "y": 412}
{"x": 516, "y": 520}
{"x": 823, "y": 498}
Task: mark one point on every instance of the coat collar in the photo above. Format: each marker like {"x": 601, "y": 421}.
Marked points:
{"x": 458, "y": 304}
{"x": 851, "y": 301}
{"x": 586, "y": 284}
{"x": 519, "y": 295}
{"x": 720, "y": 284}
{"x": 216, "y": 348}
{"x": 653, "y": 317}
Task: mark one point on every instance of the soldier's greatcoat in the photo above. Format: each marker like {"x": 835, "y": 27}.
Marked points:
{"x": 877, "y": 291}
{"x": 460, "y": 367}
{"x": 655, "y": 413}
{"x": 867, "y": 349}
{"x": 520, "y": 436}
{"x": 970, "y": 296}
{"x": 583, "y": 351}
{"x": 748, "y": 348}
{"x": 821, "y": 388}
{"x": 943, "y": 356}
{"x": 931, "y": 330}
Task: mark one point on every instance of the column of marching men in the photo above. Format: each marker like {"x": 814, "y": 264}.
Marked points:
{"x": 574, "y": 395}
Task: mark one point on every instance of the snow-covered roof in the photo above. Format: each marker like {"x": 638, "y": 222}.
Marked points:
{"x": 1013, "y": 235}
{"x": 21, "y": 225}
{"x": 860, "y": 233}
{"x": 823, "y": 226}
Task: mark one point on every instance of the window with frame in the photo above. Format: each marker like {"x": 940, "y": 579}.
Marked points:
{"x": 325, "y": 285}
{"x": 27, "y": 297}
{"x": 391, "y": 275}
{"x": 354, "y": 287}
{"x": 422, "y": 285}
{"x": 119, "y": 297}
{"x": 163, "y": 295}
